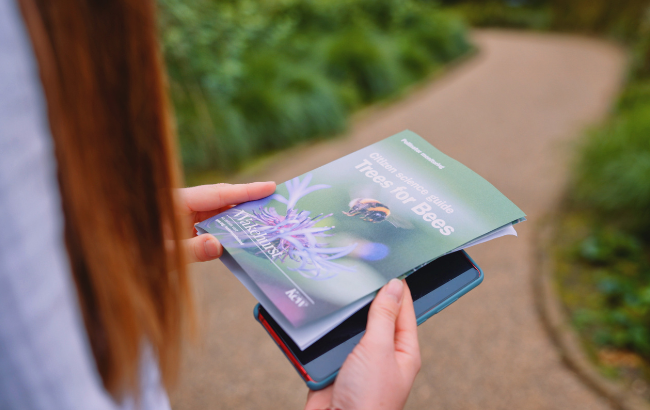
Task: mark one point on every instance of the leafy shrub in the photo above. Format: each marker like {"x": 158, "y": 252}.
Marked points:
{"x": 613, "y": 18}
{"x": 635, "y": 95}
{"x": 621, "y": 319}
{"x": 612, "y": 183}
{"x": 640, "y": 64}
{"x": 506, "y": 14}
{"x": 606, "y": 246}
{"x": 362, "y": 59}
{"x": 616, "y": 18}
{"x": 613, "y": 172}
{"x": 248, "y": 77}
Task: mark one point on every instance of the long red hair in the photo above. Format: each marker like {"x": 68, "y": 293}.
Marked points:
{"x": 110, "y": 119}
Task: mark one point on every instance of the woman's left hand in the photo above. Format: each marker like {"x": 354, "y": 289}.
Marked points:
{"x": 202, "y": 202}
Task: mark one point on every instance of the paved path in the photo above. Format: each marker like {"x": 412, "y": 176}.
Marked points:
{"x": 511, "y": 114}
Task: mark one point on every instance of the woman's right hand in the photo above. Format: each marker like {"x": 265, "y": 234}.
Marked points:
{"x": 202, "y": 202}
{"x": 380, "y": 371}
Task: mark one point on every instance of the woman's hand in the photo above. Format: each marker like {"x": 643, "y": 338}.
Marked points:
{"x": 202, "y": 202}
{"x": 379, "y": 372}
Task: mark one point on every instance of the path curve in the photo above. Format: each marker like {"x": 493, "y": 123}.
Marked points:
{"x": 511, "y": 114}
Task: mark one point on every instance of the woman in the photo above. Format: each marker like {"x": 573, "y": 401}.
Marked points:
{"x": 94, "y": 293}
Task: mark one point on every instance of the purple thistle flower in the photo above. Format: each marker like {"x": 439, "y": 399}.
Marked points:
{"x": 297, "y": 190}
{"x": 295, "y": 235}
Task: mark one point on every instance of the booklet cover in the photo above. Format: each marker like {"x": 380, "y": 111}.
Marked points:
{"x": 332, "y": 236}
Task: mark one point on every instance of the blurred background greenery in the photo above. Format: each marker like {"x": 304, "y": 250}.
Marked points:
{"x": 250, "y": 77}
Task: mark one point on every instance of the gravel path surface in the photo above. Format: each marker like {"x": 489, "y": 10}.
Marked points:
{"x": 511, "y": 114}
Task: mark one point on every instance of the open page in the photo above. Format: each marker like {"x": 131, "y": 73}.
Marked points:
{"x": 338, "y": 233}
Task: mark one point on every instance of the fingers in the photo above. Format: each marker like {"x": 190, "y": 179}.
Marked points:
{"x": 202, "y": 248}
{"x": 210, "y": 197}
{"x": 406, "y": 327}
{"x": 320, "y": 399}
{"x": 407, "y": 346}
{"x": 383, "y": 314}
{"x": 203, "y": 215}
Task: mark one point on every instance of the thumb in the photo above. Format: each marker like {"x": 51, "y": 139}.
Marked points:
{"x": 202, "y": 248}
{"x": 383, "y": 313}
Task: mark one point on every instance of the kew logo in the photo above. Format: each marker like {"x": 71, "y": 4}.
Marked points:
{"x": 296, "y": 298}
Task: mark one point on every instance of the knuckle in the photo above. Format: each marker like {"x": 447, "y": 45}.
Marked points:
{"x": 415, "y": 363}
{"x": 362, "y": 354}
{"x": 249, "y": 193}
{"x": 218, "y": 193}
{"x": 386, "y": 311}
{"x": 198, "y": 250}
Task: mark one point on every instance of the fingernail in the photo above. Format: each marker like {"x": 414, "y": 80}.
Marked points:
{"x": 395, "y": 289}
{"x": 212, "y": 248}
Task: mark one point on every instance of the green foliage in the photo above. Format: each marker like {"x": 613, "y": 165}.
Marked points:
{"x": 640, "y": 64}
{"x": 613, "y": 183}
{"x": 504, "y": 14}
{"x": 620, "y": 19}
{"x": 620, "y": 318}
{"x": 612, "y": 186}
{"x": 617, "y": 18}
{"x": 635, "y": 95}
{"x": 359, "y": 58}
{"x": 606, "y": 246}
{"x": 613, "y": 171}
{"x": 248, "y": 77}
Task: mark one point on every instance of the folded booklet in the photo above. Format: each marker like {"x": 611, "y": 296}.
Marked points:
{"x": 319, "y": 248}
